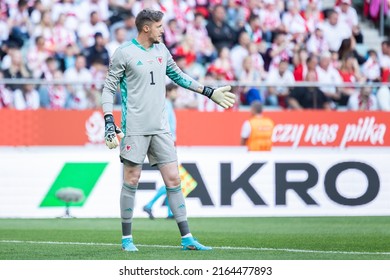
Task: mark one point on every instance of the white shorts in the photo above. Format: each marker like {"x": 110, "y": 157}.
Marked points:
{"x": 160, "y": 148}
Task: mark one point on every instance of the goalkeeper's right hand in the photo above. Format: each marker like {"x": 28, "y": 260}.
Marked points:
{"x": 110, "y": 132}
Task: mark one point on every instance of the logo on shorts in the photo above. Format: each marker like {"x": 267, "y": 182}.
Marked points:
{"x": 128, "y": 148}
{"x": 160, "y": 59}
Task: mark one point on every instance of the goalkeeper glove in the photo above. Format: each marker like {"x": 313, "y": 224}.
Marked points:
{"x": 110, "y": 132}
{"x": 222, "y": 96}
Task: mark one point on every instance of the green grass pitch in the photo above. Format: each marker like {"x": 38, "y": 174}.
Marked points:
{"x": 260, "y": 238}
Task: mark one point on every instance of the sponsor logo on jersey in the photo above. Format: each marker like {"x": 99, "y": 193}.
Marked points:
{"x": 150, "y": 61}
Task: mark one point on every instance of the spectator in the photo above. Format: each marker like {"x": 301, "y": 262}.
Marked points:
{"x": 383, "y": 97}
{"x": 186, "y": 48}
{"x": 69, "y": 9}
{"x": 236, "y": 14}
{"x": 207, "y": 54}
{"x": 26, "y": 97}
{"x": 6, "y": 97}
{"x": 118, "y": 10}
{"x": 384, "y": 60}
{"x": 348, "y": 15}
{"x": 309, "y": 97}
{"x": 50, "y": 67}
{"x": 279, "y": 50}
{"x": 335, "y": 31}
{"x": 239, "y": 52}
{"x": 185, "y": 99}
{"x": 38, "y": 9}
{"x": 62, "y": 36}
{"x": 181, "y": 10}
{"x": 313, "y": 15}
{"x": 270, "y": 20}
{"x": 78, "y": 74}
{"x": 197, "y": 29}
{"x": 6, "y": 53}
{"x": 17, "y": 70}
{"x": 57, "y": 93}
{"x": 293, "y": 23}
{"x": 256, "y": 133}
{"x": 276, "y": 95}
{"x": 173, "y": 35}
{"x": 302, "y": 70}
{"x": 299, "y": 63}
{"x": 363, "y": 100}
{"x": 204, "y": 48}
{"x": 334, "y": 60}
{"x": 97, "y": 52}
{"x": 328, "y": 75}
{"x": 350, "y": 73}
{"x": 221, "y": 34}
{"x": 4, "y": 29}
{"x": 254, "y": 7}
{"x": 371, "y": 69}
{"x": 99, "y": 72}
{"x": 257, "y": 59}
{"x": 146, "y": 4}
{"x": 249, "y": 75}
{"x": 119, "y": 39}
{"x": 86, "y": 7}
{"x": 224, "y": 62}
{"x": 253, "y": 28}
{"x": 19, "y": 23}
{"x": 44, "y": 29}
{"x": 68, "y": 60}
{"x": 36, "y": 57}
{"x": 128, "y": 23}
{"x": 316, "y": 44}
{"x": 348, "y": 48}
{"x": 88, "y": 29}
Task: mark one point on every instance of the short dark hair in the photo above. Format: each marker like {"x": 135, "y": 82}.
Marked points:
{"x": 171, "y": 86}
{"x": 386, "y": 42}
{"x": 147, "y": 16}
{"x": 257, "y": 107}
{"x": 372, "y": 51}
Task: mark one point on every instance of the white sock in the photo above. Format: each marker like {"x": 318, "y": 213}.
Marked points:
{"x": 127, "y": 236}
{"x": 187, "y": 235}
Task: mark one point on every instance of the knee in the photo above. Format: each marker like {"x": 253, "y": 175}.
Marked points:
{"x": 131, "y": 177}
{"x": 173, "y": 181}
{"x": 132, "y": 181}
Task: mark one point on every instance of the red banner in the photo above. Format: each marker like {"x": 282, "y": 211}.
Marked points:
{"x": 292, "y": 128}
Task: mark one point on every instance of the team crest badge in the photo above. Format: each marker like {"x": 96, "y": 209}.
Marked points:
{"x": 160, "y": 60}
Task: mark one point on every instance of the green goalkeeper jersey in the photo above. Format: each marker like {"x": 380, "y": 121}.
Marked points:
{"x": 141, "y": 75}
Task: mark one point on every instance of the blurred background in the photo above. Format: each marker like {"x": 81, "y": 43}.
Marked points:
{"x": 321, "y": 70}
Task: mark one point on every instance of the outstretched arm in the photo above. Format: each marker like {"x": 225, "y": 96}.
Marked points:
{"x": 222, "y": 95}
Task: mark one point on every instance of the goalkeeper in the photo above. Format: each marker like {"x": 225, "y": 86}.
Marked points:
{"x": 140, "y": 67}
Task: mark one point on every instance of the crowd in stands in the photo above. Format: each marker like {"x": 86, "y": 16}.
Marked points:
{"x": 274, "y": 42}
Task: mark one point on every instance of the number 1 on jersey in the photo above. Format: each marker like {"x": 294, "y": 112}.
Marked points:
{"x": 152, "y": 78}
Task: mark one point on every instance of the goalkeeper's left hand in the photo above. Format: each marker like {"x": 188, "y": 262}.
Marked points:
{"x": 222, "y": 96}
{"x": 111, "y": 130}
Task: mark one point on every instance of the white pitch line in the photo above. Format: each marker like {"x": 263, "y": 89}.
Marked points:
{"x": 220, "y": 248}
